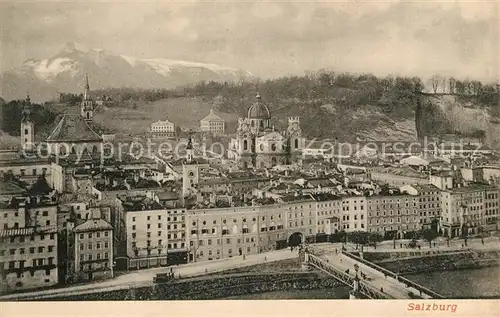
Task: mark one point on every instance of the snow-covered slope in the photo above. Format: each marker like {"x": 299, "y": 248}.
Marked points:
{"x": 64, "y": 73}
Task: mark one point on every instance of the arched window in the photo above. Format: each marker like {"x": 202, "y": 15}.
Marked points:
{"x": 73, "y": 150}
{"x": 296, "y": 143}
{"x": 62, "y": 150}
{"x": 261, "y": 123}
{"x": 253, "y": 123}
{"x": 94, "y": 149}
{"x": 273, "y": 147}
{"x": 88, "y": 115}
{"x": 245, "y": 145}
{"x": 261, "y": 147}
{"x": 273, "y": 160}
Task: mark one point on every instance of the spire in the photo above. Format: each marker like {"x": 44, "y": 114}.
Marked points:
{"x": 189, "y": 148}
{"x": 211, "y": 111}
{"x": 86, "y": 92}
{"x": 190, "y": 141}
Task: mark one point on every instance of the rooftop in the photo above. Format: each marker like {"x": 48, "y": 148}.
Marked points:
{"x": 73, "y": 128}
{"x": 9, "y": 188}
{"x": 93, "y": 225}
{"x": 212, "y": 117}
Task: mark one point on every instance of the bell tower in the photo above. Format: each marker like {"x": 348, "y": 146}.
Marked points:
{"x": 87, "y": 105}
{"x": 27, "y": 127}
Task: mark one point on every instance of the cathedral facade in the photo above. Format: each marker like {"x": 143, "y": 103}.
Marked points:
{"x": 258, "y": 145}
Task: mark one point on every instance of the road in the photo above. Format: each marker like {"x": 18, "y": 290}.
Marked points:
{"x": 377, "y": 279}
{"x": 145, "y": 277}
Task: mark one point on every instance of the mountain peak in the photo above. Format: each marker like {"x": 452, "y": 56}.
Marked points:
{"x": 74, "y": 46}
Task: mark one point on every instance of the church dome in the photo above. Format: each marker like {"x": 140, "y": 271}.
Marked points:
{"x": 258, "y": 110}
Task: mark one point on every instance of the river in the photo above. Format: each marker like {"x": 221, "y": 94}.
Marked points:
{"x": 476, "y": 283}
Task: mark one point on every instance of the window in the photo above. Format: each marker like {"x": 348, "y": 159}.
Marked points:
{"x": 106, "y": 233}
{"x": 98, "y": 246}
{"x": 32, "y": 250}
{"x": 81, "y": 235}
{"x": 12, "y": 251}
{"x": 90, "y": 235}
{"x": 98, "y": 234}
{"x": 90, "y": 246}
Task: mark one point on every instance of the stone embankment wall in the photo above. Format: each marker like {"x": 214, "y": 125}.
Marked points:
{"x": 214, "y": 287}
{"x": 430, "y": 261}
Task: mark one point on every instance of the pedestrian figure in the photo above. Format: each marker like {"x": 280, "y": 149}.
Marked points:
{"x": 482, "y": 241}
{"x": 462, "y": 245}
{"x": 265, "y": 259}
{"x": 336, "y": 251}
{"x": 401, "y": 245}
{"x": 244, "y": 257}
{"x": 434, "y": 244}
{"x": 382, "y": 289}
{"x": 419, "y": 246}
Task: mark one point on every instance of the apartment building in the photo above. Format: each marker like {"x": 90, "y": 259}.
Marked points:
{"x": 463, "y": 209}
{"x": 328, "y": 209}
{"x": 492, "y": 209}
{"x": 177, "y": 245}
{"x": 429, "y": 204}
{"x": 354, "y": 213}
{"x": 395, "y": 215}
{"x": 93, "y": 250}
{"x": 226, "y": 232}
{"x": 28, "y": 244}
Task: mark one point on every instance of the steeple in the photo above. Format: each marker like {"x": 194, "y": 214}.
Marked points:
{"x": 87, "y": 105}
{"x": 86, "y": 92}
{"x": 189, "y": 148}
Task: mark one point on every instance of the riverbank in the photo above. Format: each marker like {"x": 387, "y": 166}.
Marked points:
{"x": 216, "y": 287}
{"x": 415, "y": 262}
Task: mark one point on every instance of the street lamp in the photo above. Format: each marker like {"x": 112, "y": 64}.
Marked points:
{"x": 356, "y": 268}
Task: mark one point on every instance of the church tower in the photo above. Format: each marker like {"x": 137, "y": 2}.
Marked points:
{"x": 87, "y": 105}
{"x": 27, "y": 127}
{"x": 190, "y": 171}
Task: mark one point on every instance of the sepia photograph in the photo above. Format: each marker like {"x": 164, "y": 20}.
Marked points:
{"x": 231, "y": 153}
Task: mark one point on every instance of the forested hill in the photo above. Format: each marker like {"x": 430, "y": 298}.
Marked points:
{"x": 330, "y": 105}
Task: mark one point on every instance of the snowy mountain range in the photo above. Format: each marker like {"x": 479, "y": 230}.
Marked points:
{"x": 64, "y": 72}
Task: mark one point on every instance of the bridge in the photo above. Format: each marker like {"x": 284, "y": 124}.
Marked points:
{"x": 366, "y": 278}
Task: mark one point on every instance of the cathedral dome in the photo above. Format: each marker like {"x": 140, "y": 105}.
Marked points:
{"x": 258, "y": 110}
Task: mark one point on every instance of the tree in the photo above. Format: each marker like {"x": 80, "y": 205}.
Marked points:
{"x": 358, "y": 237}
{"x": 374, "y": 238}
{"x": 429, "y": 235}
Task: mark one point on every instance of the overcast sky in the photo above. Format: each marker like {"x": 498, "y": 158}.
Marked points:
{"x": 269, "y": 38}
